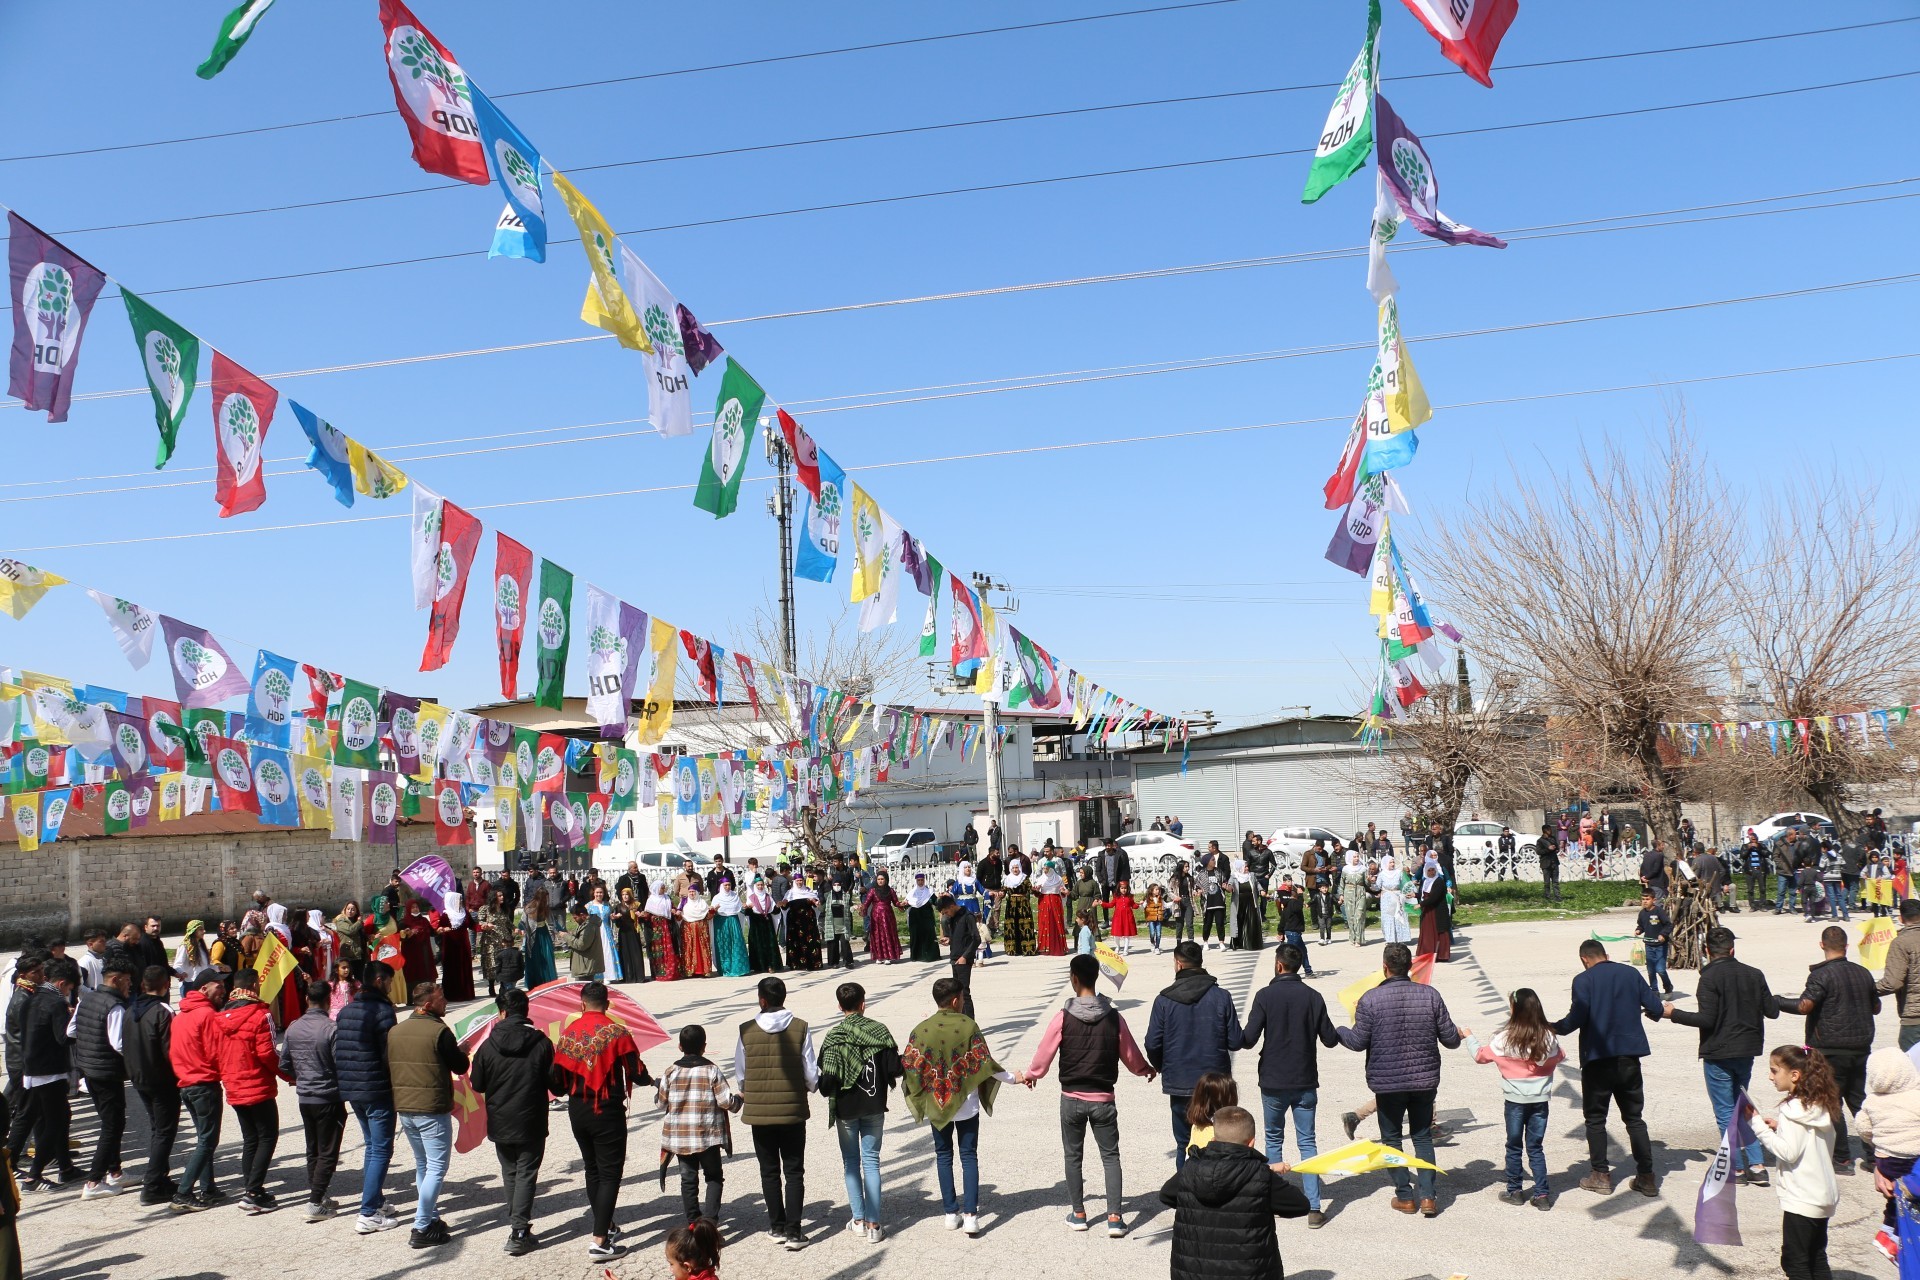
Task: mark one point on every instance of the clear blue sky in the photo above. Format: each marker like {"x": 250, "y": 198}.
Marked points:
{"x": 1206, "y": 550}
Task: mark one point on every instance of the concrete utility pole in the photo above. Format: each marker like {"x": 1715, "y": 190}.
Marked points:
{"x": 780, "y": 507}
{"x": 989, "y": 704}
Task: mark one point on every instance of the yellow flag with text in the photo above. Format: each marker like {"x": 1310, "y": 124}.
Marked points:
{"x": 656, "y": 713}
{"x": 430, "y": 722}
{"x": 606, "y": 306}
{"x": 1876, "y": 935}
{"x": 275, "y": 964}
{"x": 1112, "y": 967}
{"x": 22, "y": 585}
{"x": 1407, "y": 405}
{"x": 989, "y": 673}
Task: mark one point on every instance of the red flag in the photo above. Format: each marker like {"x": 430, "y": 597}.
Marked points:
{"x": 320, "y": 686}
{"x": 164, "y": 750}
{"x": 969, "y": 642}
{"x": 459, "y": 539}
{"x": 1422, "y": 970}
{"x": 233, "y": 776}
{"x": 243, "y": 408}
{"x": 1345, "y": 479}
{"x": 449, "y": 814}
{"x": 806, "y": 457}
{"x": 702, "y": 654}
{"x": 512, "y": 572}
{"x": 745, "y": 664}
{"x": 434, "y": 98}
{"x": 550, "y": 764}
{"x": 1469, "y": 31}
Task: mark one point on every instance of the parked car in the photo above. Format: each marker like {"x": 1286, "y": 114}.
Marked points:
{"x": 1476, "y": 842}
{"x": 1148, "y": 850}
{"x": 1781, "y": 823}
{"x": 906, "y": 847}
{"x": 1289, "y": 843}
{"x": 611, "y": 862}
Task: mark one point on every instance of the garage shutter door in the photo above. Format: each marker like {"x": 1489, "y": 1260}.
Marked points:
{"x": 1203, "y": 799}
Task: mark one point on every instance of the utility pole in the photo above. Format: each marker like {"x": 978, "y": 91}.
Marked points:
{"x": 780, "y": 507}
{"x": 989, "y": 701}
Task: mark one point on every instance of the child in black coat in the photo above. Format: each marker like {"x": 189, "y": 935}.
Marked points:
{"x": 1224, "y": 1202}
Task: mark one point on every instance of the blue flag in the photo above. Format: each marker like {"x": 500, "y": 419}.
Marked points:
{"x": 819, "y": 548}
{"x": 686, "y": 786}
{"x": 328, "y": 455}
{"x": 522, "y": 230}
{"x": 1386, "y": 453}
{"x": 53, "y": 811}
{"x": 269, "y": 720}
{"x": 273, "y": 783}
{"x": 112, "y": 699}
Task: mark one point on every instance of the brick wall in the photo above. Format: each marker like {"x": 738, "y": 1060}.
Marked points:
{"x": 67, "y": 886}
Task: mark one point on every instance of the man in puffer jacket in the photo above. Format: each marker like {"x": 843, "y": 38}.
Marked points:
{"x": 194, "y": 1052}
{"x": 323, "y": 1117}
{"x": 1224, "y": 1201}
{"x": 1192, "y": 1030}
{"x": 510, "y": 1068}
{"x": 250, "y": 1072}
{"x": 360, "y": 1065}
{"x": 149, "y": 1038}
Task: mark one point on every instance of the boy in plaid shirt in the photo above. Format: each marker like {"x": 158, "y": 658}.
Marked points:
{"x": 697, "y": 1100}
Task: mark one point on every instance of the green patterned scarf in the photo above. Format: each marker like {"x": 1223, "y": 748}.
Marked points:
{"x": 848, "y": 1048}
{"x": 946, "y": 1060}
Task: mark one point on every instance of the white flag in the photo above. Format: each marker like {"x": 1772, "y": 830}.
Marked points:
{"x": 669, "y": 376}
{"x": 425, "y": 542}
{"x": 133, "y": 626}
{"x": 1386, "y": 225}
{"x": 348, "y": 804}
{"x": 883, "y": 606}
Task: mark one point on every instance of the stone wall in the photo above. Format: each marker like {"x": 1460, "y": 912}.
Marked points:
{"x": 67, "y": 886}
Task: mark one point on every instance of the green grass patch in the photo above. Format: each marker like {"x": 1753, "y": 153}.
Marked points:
{"x": 1522, "y": 900}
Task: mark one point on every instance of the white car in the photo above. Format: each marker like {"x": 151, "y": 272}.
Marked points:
{"x": 1783, "y": 822}
{"x": 1476, "y": 842}
{"x": 1148, "y": 850}
{"x": 906, "y": 847}
{"x": 1289, "y": 843}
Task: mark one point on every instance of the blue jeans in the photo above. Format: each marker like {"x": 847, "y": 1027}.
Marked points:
{"x": 1302, "y": 1103}
{"x": 968, "y": 1131}
{"x": 860, "y": 1161}
{"x": 1183, "y": 1132}
{"x": 1782, "y": 889}
{"x": 376, "y": 1133}
{"x": 1528, "y": 1121}
{"x": 203, "y": 1108}
{"x": 1294, "y": 938}
{"x": 1657, "y": 965}
{"x": 1726, "y": 1079}
{"x": 431, "y": 1138}
{"x": 1837, "y": 906}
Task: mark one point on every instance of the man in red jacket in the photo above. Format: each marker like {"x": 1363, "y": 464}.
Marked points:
{"x": 249, "y": 1068}
{"x": 194, "y": 1053}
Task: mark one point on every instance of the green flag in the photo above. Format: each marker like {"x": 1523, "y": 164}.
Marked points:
{"x": 170, "y": 357}
{"x": 1346, "y": 142}
{"x": 550, "y": 624}
{"x": 116, "y": 809}
{"x": 356, "y": 742}
{"x": 735, "y": 418}
{"x": 201, "y": 725}
{"x": 927, "y": 637}
{"x": 233, "y": 36}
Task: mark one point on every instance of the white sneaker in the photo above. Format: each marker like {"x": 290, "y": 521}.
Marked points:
{"x": 953, "y": 1222}
{"x": 857, "y": 1227}
{"x": 382, "y": 1221}
{"x": 874, "y": 1233}
{"x": 98, "y": 1191}
{"x": 971, "y": 1224}
{"x": 114, "y": 1180}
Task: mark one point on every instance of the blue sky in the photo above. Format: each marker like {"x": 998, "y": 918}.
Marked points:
{"x": 1183, "y": 573}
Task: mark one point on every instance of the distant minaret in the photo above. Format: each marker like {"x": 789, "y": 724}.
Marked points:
{"x": 1463, "y": 701}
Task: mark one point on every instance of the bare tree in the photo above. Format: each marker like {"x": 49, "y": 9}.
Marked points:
{"x": 1597, "y": 598}
{"x": 1449, "y": 747}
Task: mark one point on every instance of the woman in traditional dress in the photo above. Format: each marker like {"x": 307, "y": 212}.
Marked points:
{"x": 658, "y": 924}
{"x": 384, "y": 943}
{"x": 967, "y": 891}
{"x": 696, "y": 931}
{"x": 836, "y": 920}
{"x": 1392, "y": 888}
{"x": 416, "y": 945}
{"x": 492, "y": 930}
{"x": 923, "y": 929}
{"x": 626, "y": 928}
{"x": 803, "y": 926}
{"x": 451, "y": 926}
{"x": 883, "y": 931}
{"x": 1016, "y": 910}
{"x": 1050, "y": 931}
{"x": 1249, "y": 929}
{"x": 535, "y": 924}
{"x": 1436, "y": 921}
{"x": 600, "y": 907}
{"x": 729, "y": 939}
{"x": 763, "y": 943}
{"x": 1353, "y": 896}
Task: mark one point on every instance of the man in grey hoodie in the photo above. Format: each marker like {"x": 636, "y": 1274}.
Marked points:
{"x": 309, "y": 1060}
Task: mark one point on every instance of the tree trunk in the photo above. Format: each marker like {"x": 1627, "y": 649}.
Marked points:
{"x": 1830, "y": 799}
{"x": 1662, "y": 791}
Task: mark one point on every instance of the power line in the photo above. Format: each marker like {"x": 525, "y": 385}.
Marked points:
{"x": 1065, "y": 446}
{"x": 1546, "y": 231}
{"x": 1027, "y": 183}
{"x": 941, "y": 127}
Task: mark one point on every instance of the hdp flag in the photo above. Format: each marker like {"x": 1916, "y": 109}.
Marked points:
{"x": 929, "y": 626}
{"x": 1384, "y": 227}
{"x": 203, "y": 674}
{"x": 270, "y": 701}
{"x": 347, "y": 803}
{"x": 1407, "y": 405}
{"x": 522, "y": 232}
{"x": 243, "y": 408}
{"x": 170, "y": 357}
{"x": 133, "y": 626}
{"x": 235, "y": 30}
{"x": 819, "y": 547}
{"x": 1408, "y": 170}
{"x": 274, "y": 963}
{"x": 686, "y": 786}
{"x": 969, "y": 639}
{"x": 882, "y": 607}
{"x": 736, "y": 416}
{"x": 1346, "y": 139}
{"x": 869, "y": 541}
{"x": 701, "y": 347}
{"x": 273, "y": 784}
{"x": 1716, "y": 1220}
{"x": 384, "y": 792}
{"x": 1387, "y": 449}
{"x": 616, "y": 637}
{"x": 459, "y": 540}
{"x": 607, "y": 305}
{"x": 233, "y": 776}
{"x": 1469, "y": 31}
{"x": 512, "y": 578}
{"x": 669, "y": 375}
{"x": 53, "y": 294}
{"x": 373, "y": 475}
{"x": 1346, "y": 477}
{"x": 656, "y": 712}
{"x": 551, "y": 633}
{"x": 357, "y": 738}
{"x": 1036, "y": 666}
{"x": 1364, "y": 521}
{"x": 434, "y": 98}
{"x": 22, "y": 585}
{"x": 450, "y": 826}
{"x": 328, "y": 451}
{"x": 116, "y": 809}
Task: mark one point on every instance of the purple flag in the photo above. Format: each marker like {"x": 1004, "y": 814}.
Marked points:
{"x": 402, "y": 716}
{"x": 434, "y": 880}
{"x": 1410, "y": 177}
{"x": 1360, "y": 527}
{"x": 129, "y": 745}
{"x": 702, "y": 347}
{"x": 141, "y": 792}
{"x": 913, "y": 558}
{"x": 203, "y": 674}
{"x": 53, "y": 293}
{"x": 1715, "y": 1219}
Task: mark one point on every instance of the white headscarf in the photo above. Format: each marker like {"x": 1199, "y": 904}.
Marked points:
{"x": 758, "y": 899}
{"x": 1050, "y": 881}
{"x": 727, "y": 901}
{"x": 966, "y": 880}
{"x": 1014, "y": 879}
{"x": 1240, "y": 873}
{"x": 316, "y": 921}
{"x": 1353, "y": 859}
{"x": 657, "y": 903}
{"x": 277, "y": 922}
{"x": 921, "y": 894}
{"x": 802, "y": 892}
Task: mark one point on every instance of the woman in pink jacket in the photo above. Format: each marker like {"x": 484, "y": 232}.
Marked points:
{"x": 1526, "y": 1052}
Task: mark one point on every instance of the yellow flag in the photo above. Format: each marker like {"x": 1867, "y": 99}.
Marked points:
{"x": 606, "y": 306}
{"x": 1876, "y": 935}
{"x": 1362, "y": 1157}
{"x": 989, "y": 673}
{"x": 656, "y": 714}
{"x": 275, "y": 964}
{"x": 25, "y": 817}
{"x": 429, "y": 723}
{"x": 373, "y": 476}
{"x": 22, "y": 585}
{"x": 1112, "y": 967}
{"x": 709, "y": 787}
{"x": 1380, "y": 596}
{"x": 1407, "y": 405}
{"x": 506, "y": 818}
{"x": 170, "y": 797}
{"x": 868, "y": 536}
{"x": 313, "y": 779}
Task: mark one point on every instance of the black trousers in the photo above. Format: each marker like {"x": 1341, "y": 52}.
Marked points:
{"x": 840, "y": 951}
{"x": 1616, "y": 1081}
{"x": 1803, "y": 1248}
{"x": 163, "y": 1126}
{"x": 259, "y": 1135}
{"x": 1550, "y": 880}
{"x": 1215, "y": 919}
{"x": 602, "y": 1136}
{"x": 692, "y": 1169}
{"x": 1850, "y": 1073}
{"x": 963, "y": 974}
{"x": 323, "y": 1123}
{"x": 110, "y": 1105}
{"x": 782, "y": 1150}
{"x": 520, "y": 1174}
{"x": 44, "y": 1111}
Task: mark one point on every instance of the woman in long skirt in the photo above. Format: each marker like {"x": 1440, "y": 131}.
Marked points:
{"x": 696, "y": 933}
{"x": 416, "y": 946}
{"x": 456, "y": 955}
{"x": 1249, "y": 932}
{"x": 803, "y": 927}
{"x": 633, "y": 944}
{"x": 883, "y": 931}
{"x": 1050, "y": 931}
{"x": 1393, "y": 902}
{"x": 1353, "y": 897}
{"x": 600, "y": 907}
{"x": 1016, "y": 910}
{"x": 729, "y": 939}
{"x": 763, "y": 943}
{"x": 658, "y": 924}
{"x": 539, "y": 940}
{"x": 923, "y": 928}
{"x": 1436, "y": 924}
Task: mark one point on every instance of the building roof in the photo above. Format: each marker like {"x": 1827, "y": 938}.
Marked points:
{"x": 1291, "y": 731}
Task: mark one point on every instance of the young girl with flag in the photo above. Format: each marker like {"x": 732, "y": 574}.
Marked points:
{"x": 1800, "y": 1138}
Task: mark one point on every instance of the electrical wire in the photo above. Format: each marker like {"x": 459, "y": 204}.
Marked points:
{"x": 1065, "y": 446}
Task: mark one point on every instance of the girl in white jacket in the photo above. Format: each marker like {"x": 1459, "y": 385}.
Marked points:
{"x": 1526, "y": 1053}
{"x": 1800, "y": 1136}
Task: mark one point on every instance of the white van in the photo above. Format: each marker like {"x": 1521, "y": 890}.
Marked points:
{"x": 906, "y": 847}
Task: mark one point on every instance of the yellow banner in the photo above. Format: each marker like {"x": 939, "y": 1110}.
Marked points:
{"x": 275, "y": 964}
{"x": 373, "y": 476}
{"x": 1112, "y": 967}
{"x": 656, "y": 714}
{"x": 606, "y": 305}
{"x": 1879, "y": 892}
{"x": 1876, "y": 935}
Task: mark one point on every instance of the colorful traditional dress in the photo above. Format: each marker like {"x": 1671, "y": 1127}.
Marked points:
{"x": 883, "y": 931}
{"x": 803, "y": 928}
{"x": 973, "y": 900}
{"x": 539, "y": 945}
{"x": 1121, "y": 908}
{"x": 729, "y": 939}
{"x": 602, "y": 913}
{"x": 1051, "y": 929}
{"x": 1436, "y": 924}
{"x": 1017, "y": 936}
{"x": 763, "y": 943}
{"x": 658, "y": 925}
{"x": 836, "y": 920}
{"x": 456, "y": 955}
{"x": 696, "y": 935}
{"x": 923, "y": 929}
{"x": 416, "y": 946}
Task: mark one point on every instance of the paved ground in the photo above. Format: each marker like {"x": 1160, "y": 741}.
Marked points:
{"x": 1022, "y": 1192}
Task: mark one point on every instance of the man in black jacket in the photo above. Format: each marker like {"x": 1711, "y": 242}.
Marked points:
{"x": 1733, "y": 1003}
{"x": 28, "y": 973}
{"x": 98, "y": 1031}
{"x": 1224, "y": 1201}
{"x": 1608, "y": 1002}
{"x": 1840, "y": 1004}
{"x": 148, "y": 1042}
{"x": 511, "y": 1068}
{"x": 46, "y": 1059}
{"x": 1547, "y": 850}
{"x": 963, "y": 945}
{"x": 1293, "y": 1017}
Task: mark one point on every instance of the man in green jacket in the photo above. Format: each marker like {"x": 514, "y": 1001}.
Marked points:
{"x": 1901, "y": 977}
{"x": 586, "y": 953}
{"x": 423, "y": 1058}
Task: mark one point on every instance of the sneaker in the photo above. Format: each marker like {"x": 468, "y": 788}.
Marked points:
{"x": 1316, "y": 1220}
{"x": 796, "y": 1241}
{"x": 1649, "y": 1186}
{"x": 180, "y": 1204}
{"x": 1756, "y": 1178}
{"x": 1515, "y": 1198}
{"x": 1076, "y": 1222}
{"x": 114, "y": 1180}
{"x": 436, "y": 1233}
{"x": 323, "y": 1209}
{"x": 1350, "y": 1121}
{"x": 256, "y": 1204}
{"x": 953, "y": 1222}
{"x": 1888, "y": 1246}
{"x": 381, "y": 1221}
{"x": 267, "y": 1198}
{"x": 776, "y": 1233}
{"x": 98, "y": 1191}
{"x": 210, "y": 1199}
{"x": 1601, "y": 1184}
{"x": 874, "y": 1234}
{"x": 1542, "y": 1202}
{"x": 971, "y": 1224}
{"x": 1115, "y": 1228}
{"x": 857, "y": 1227}
{"x": 150, "y": 1199}
{"x": 600, "y": 1252}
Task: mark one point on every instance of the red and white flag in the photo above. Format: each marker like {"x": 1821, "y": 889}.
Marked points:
{"x": 512, "y": 576}
{"x": 1345, "y": 479}
{"x": 243, "y": 408}
{"x": 434, "y": 98}
{"x": 806, "y": 455}
{"x": 1469, "y": 31}
{"x": 450, "y": 814}
{"x": 459, "y": 539}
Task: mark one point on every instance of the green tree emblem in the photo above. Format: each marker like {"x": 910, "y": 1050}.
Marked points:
{"x": 357, "y": 719}
{"x": 315, "y": 787}
{"x": 166, "y": 355}
{"x": 444, "y": 571}
{"x": 276, "y": 686}
{"x": 603, "y": 249}
{"x": 419, "y": 56}
{"x": 548, "y": 763}
{"x": 273, "y": 780}
{"x": 604, "y": 640}
{"x": 1411, "y": 166}
{"x": 129, "y": 740}
{"x": 663, "y": 330}
{"x": 506, "y": 600}
{"x": 53, "y": 301}
{"x": 553, "y": 623}
{"x": 519, "y": 172}
{"x": 829, "y": 502}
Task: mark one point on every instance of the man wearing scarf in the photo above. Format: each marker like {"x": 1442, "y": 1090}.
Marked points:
{"x": 596, "y": 1065}
{"x": 950, "y": 1078}
{"x": 859, "y": 1063}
